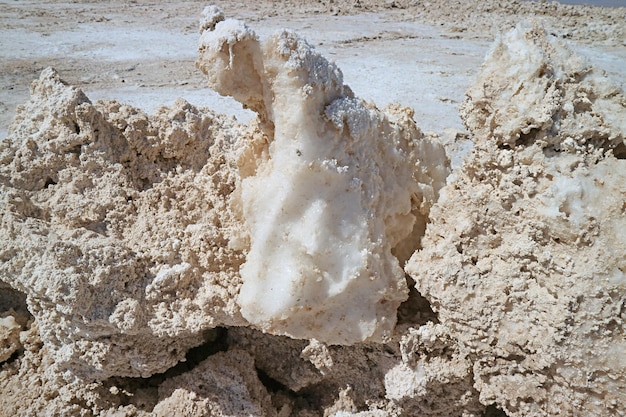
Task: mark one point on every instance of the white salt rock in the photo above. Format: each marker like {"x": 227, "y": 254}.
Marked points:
{"x": 340, "y": 191}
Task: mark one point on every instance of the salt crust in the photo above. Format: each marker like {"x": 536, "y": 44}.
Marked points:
{"x": 224, "y": 384}
{"x": 116, "y": 226}
{"x": 337, "y": 189}
{"x": 523, "y": 260}
{"x": 529, "y": 277}
{"x": 127, "y": 232}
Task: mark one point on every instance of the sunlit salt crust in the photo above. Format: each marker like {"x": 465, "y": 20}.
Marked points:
{"x": 525, "y": 254}
{"x": 340, "y": 188}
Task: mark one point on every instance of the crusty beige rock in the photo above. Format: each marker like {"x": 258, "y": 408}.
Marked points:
{"x": 225, "y": 384}
{"x": 421, "y": 372}
{"x": 14, "y": 322}
{"x": 524, "y": 257}
{"x": 117, "y": 226}
{"x": 9, "y": 336}
{"x": 534, "y": 88}
{"x": 123, "y": 235}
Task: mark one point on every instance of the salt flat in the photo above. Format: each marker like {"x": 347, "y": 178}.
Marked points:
{"x": 146, "y": 58}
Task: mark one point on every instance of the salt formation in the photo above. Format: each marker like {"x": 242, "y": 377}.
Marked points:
{"x": 122, "y": 239}
{"x": 420, "y": 373}
{"x": 126, "y": 232}
{"x": 116, "y": 227}
{"x": 529, "y": 274}
{"x": 331, "y": 198}
{"x": 224, "y": 384}
{"x": 124, "y": 235}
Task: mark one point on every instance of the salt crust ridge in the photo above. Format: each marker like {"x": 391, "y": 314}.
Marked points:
{"x": 522, "y": 260}
{"x": 529, "y": 278}
{"x": 337, "y": 188}
{"x": 116, "y": 226}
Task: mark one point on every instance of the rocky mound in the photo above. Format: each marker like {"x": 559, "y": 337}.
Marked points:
{"x": 184, "y": 264}
{"x": 529, "y": 276}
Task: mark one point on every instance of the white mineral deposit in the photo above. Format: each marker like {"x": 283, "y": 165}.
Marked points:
{"x": 355, "y": 218}
{"x": 337, "y": 189}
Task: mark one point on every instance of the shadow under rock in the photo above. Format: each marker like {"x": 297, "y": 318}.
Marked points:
{"x": 12, "y": 299}
{"x": 143, "y": 392}
{"x": 13, "y": 303}
{"x": 416, "y": 310}
{"x": 493, "y": 411}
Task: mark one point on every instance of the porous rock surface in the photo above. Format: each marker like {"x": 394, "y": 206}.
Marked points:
{"x": 116, "y": 226}
{"x": 123, "y": 236}
{"x": 529, "y": 275}
{"x": 223, "y": 384}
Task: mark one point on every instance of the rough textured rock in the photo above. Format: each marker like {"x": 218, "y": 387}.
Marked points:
{"x": 125, "y": 234}
{"x": 15, "y": 320}
{"x": 122, "y": 237}
{"x": 529, "y": 275}
{"x": 126, "y": 231}
{"x": 225, "y": 384}
{"x": 117, "y": 226}
{"x": 421, "y": 372}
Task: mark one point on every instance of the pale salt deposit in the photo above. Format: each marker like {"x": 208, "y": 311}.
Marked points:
{"x": 335, "y": 192}
{"x": 185, "y": 264}
{"x": 529, "y": 276}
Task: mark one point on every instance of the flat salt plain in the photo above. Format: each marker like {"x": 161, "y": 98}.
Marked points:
{"x": 383, "y": 60}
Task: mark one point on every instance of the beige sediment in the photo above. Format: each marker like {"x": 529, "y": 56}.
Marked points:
{"x": 123, "y": 236}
